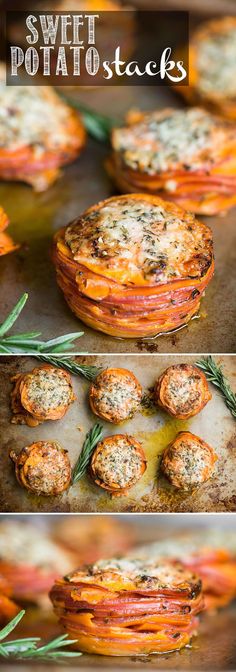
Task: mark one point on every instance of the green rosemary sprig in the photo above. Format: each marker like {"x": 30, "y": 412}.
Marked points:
{"x": 92, "y": 438}
{"x": 28, "y": 342}
{"x": 98, "y": 125}
{"x": 28, "y": 647}
{"x": 215, "y": 375}
{"x": 89, "y": 372}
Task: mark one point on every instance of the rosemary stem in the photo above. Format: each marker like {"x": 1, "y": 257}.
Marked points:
{"x": 215, "y": 375}
{"x": 87, "y": 371}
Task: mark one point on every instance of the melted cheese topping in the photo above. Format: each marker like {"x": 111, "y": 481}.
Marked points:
{"x": 29, "y": 545}
{"x": 148, "y": 574}
{"x": 46, "y": 390}
{"x": 216, "y": 60}
{"x": 119, "y": 463}
{"x": 163, "y": 141}
{"x": 139, "y": 241}
{"x": 32, "y": 116}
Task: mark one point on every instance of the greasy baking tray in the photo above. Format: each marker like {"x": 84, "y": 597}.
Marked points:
{"x": 154, "y": 428}
{"x": 35, "y": 217}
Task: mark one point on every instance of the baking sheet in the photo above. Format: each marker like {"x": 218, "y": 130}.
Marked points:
{"x": 35, "y": 217}
{"x": 152, "y": 427}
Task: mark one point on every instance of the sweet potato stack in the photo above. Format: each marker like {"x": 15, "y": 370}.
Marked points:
{"x": 45, "y": 393}
{"x": 134, "y": 265}
{"x": 118, "y": 462}
{"x": 43, "y": 468}
{"x": 30, "y": 561}
{"x": 39, "y": 134}
{"x": 212, "y": 55}
{"x": 28, "y": 582}
{"x": 123, "y": 607}
{"x": 182, "y": 391}
{"x": 216, "y": 565}
{"x": 188, "y": 156}
{"x": 188, "y": 461}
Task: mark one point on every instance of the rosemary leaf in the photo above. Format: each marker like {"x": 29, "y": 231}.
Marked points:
{"x": 28, "y": 647}
{"x": 11, "y": 625}
{"x": 28, "y": 342}
{"x": 52, "y": 649}
{"x": 89, "y": 372}
{"x": 31, "y": 335}
{"x": 19, "y": 350}
{"x": 19, "y": 341}
{"x": 16, "y": 647}
{"x": 60, "y": 340}
{"x": 92, "y": 438}
{"x": 13, "y": 315}
{"x": 4, "y": 350}
{"x": 214, "y": 375}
